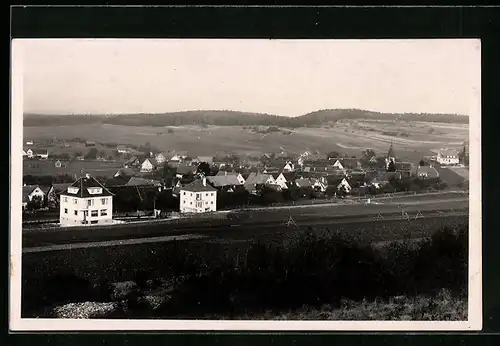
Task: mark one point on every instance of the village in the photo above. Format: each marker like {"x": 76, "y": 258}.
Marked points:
{"x": 91, "y": 188}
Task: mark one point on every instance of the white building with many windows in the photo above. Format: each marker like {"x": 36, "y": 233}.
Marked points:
{"x": 85, "y": 202}
{"x": 448, "y": 157}
{"x": 198, "y": 197}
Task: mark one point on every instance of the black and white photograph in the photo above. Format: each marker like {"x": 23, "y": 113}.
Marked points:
{"x": 245, "y": 184}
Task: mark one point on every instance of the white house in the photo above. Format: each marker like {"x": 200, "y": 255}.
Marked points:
{"x": 281, "y": 181}
{"x": 448, "y": 157}
{"x": 319, "y": 184}
{"x": 148, "y": 165}
{"x": 85, "y": 202}
{"x": 289, "y": 167}
{"x": 345, "y": 184}
{"x": 122, "y": 149}
{"x": 29, "y": 142}
{"x": 198, "y": 197}
{"x": 338, "y": 165}
{"x": 30, "y": 192}
{"x": 160, "y": 158}
{"x": 29, "y": 153}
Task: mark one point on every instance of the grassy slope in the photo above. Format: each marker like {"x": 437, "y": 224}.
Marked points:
{"x": 213, "y": 139}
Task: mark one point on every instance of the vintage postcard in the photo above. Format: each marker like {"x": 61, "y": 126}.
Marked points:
{"x": 234, "y": 184}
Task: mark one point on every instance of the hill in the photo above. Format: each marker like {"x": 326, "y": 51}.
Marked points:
{"x": 234, "y": 118}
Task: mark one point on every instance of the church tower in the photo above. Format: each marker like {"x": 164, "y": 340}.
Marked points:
{"x": 391, "y": 157}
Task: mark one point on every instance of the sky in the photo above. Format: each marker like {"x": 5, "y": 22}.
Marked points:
{"x": 282, "y": 77}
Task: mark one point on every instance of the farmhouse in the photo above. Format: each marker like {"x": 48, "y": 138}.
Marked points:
{"x": 227, "y": 182}
{"x": 240, "y": 177}
{"x": 86, "y": 202}
{"x": 122, "y": 149}
{"x": 198, "y": 197}
{"x": 148, "y": 165}
{"x": 448, "y": 157}
{"x": 160, "y": 158}
{"x": 30, "y": 193}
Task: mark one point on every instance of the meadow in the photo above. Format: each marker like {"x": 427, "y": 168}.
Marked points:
{"x": 347, "y": 137}
{"x": 302, "y": 274}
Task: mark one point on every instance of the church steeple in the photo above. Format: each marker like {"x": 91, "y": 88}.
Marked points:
{"x": 390, "y": 153}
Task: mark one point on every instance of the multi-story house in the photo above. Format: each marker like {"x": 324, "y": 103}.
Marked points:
{"x": 85, "y": 202}
{"x": 198, "y": 197}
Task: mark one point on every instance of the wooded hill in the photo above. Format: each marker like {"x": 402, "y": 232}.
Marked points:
{"x": 234, "y": 118}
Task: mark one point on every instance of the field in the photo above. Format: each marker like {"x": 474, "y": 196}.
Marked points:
{"x": 175, "y": 259}
{"x": 348, "y": 137}
{"x": 47, "y": 167}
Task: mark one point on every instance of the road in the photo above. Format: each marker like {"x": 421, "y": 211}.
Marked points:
{"x": 251, "y": 223}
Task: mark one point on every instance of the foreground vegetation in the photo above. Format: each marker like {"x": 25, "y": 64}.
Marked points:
{"x": 306, "y": 275}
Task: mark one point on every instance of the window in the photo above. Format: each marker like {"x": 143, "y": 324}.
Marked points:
{"x": 206, "y": 194}
{"x": 86, "y": 213}
{"x": 90, "y": 202}
{"x": 65, "y": 199}
{"x": 197, "y": 195}
{"x": 94, "y": 213}
{"x": 212, "y": 194}
{"x": 104, "y": 212}
{"x": 104, "y": 201}
{"x": 94, "y": 221}
{"x": 65, "y": 210}
{"x": 190, "y": 203}
{"x": 75, "y": 201}
{"x": 184, "y": 193}
{"x": 212, "y": 202}
{"x": 76, "y": 212}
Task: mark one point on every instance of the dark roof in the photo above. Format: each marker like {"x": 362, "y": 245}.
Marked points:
{"x": 142, "y": 181}
{"x": 290, "y": 176}
{"x": 83, "y": 184}
{"x": 27, "y": 190}
{"x": 403, "y": 165}
{"x": 303, "y": 182}
{"x": 185, "y": 169}
{"x": 197, "y": 186}
{"x": 390, "y": 153}
{"x": 60, "y": 187}
{"x": 223, "y": 180}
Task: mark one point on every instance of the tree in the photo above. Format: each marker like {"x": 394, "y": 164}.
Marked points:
{"x": 168, "y": 174}
{"x": 342, "y": 191}
{"x": 421, "y": 163}
{"x": 368, "y": 153}
{"x": 91, "y": 154}
{"x": 391, "y": 167}
{"x": 332, "y": 155}
{"x": 35, "y": 203}
{"x": 203, "y": 168}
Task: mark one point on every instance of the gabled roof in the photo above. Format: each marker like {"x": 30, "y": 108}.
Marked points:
{"x": 449, "y": 152}
{"x": 152, "y": 160}
{"x": 290, "y": 176}
{"x": 303, "y": 182}
{"x": 27, "y": 190}
{"x": 197, "y": 186}
{"x": 223, "y": 180}
{"x": 58, "y": 188}
{"x": 142, "y": 181}
{"x": 83, "y": 184}
{"x": 207, "y": 159}
{"x": 185, "y": 169}
{"x": 46, "y": 189}
{"x": 257, "y": 178}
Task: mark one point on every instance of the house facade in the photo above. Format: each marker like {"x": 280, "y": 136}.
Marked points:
{"x": 345, "y": 185}
{"x": 85, "y": 202}
{"x": 160, "y": 158}
{"x": 448, "y": 157}
{"x": 148, "y": 165}
{"x": 122, "y": 149}
{"x": 198, "y": 197}
{"x": 31, "y": 192}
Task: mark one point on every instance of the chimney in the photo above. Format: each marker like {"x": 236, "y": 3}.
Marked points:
{"x": 204, "y": 180}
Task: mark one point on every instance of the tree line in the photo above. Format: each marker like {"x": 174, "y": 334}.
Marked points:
{"x": 233, "y": 118}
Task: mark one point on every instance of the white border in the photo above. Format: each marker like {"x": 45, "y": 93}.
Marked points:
{"x": 17, "y": 323}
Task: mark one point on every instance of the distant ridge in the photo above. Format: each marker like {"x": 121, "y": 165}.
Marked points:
{"x": 234, "y": 118}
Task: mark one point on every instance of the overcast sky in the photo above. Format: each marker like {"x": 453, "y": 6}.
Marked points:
{"x": 283, "y": 77}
